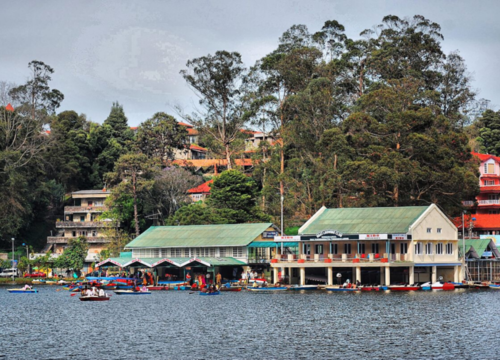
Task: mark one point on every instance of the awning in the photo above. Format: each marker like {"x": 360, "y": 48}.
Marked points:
{"x": 271, "y": 244}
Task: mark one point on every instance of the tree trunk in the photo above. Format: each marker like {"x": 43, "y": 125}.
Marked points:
{"x": 136, "y": 218}
{"x": 228, "y": 157}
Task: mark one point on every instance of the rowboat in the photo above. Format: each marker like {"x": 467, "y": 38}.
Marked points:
{"x": 404, "y": 287}
{"x": 130, "y": 292}
{"x": 232, "y": 288}
{"x": 267, "y": 289}
{"x": 478, "y": 285}
{"x": 494, "y": 286}
{"x": 94, "y": 298}
{"x": 211, "y": 293}
{"x": 22, "y": 291}
{"x": 340, "y": 289}
{"x": 460, "y": 285}
{"x": 303, "y": 287}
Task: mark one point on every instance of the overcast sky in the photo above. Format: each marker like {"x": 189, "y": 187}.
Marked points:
{"x": 132, "y": 51}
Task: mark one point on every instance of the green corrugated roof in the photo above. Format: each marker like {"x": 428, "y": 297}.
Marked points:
{"x": 116, "y": 261}
{"x": 390, "y": 220}
{"x": 198, "y": 235}
{"x": 479, "y": 245}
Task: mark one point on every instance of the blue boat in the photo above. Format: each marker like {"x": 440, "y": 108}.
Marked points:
{"x": 22, "y": 291}
{"x": 341, "y": 289}
{"x": 495, "y": 286}
{"x": 209, "y": 294}
{"x": 426, "y": 286}
{"x": 304, "y": 287}
{"x": 267, "y": 289}
{"x": 130, "y": 292}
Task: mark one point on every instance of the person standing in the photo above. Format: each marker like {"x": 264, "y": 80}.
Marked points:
{"x": 208, "y": 278}
{"x": 218, "y": 279}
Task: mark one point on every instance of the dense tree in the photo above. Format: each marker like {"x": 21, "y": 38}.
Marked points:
{"x": 74, "y": 255}
{"x": 160, "y": 137}
{"x": 489, "y": 132}
{"x": 217, "y": 80}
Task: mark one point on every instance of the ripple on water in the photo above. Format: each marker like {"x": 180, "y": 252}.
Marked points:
{"x": 180, "y": 325}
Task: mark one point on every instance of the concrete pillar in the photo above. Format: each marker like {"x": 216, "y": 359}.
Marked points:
{"x": 411, "y": 275}
{"x": 302, "y": 276}
{"x": 275, "y": 275}
{"x": 290, "y": 275}
{"x": 382, "y": 275}
{"x": 456, "y": 273}
{"x": 387, "y": 276}
{"x": 434, "y": 274}
{"x": 330, "y": 275}
{"x": 358, "y": 273}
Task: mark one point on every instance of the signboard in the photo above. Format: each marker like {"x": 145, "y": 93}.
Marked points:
{"x": 399, "y": 237}
{"x": 329, "y": 232}
{"x": 269, "y": 234}
{"x": 372, "y": 236}
{"x": 286, "y": 238}
{"x": 487, "y": 254}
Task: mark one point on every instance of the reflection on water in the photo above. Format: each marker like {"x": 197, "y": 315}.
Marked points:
{"x": 183, "y": 325}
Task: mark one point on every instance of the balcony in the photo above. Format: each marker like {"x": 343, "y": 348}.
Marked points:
{"x": 81, "y": 224}
{"x": 259, "y": 260}
{"x": 343, "y": 259}
{"x": 488, "y": 202}
{"x": 64, "y": 240}
{"x": 84, "y": 209}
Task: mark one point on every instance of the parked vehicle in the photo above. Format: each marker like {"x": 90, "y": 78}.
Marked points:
{"x": 9, "y": 272}
{"x": 35, "y": 274}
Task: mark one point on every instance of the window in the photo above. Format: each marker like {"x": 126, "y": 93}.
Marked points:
{"x": 94, "y": 233}
{"x": 186, "y": 252}
{"x": 403, "y": 247}
{"x": 306, "y": 249}
{"x": 347, "y": 248}
{"x": 418, "y": 249}
{"x": 222, "y": 252}
{"x": 491, "y": 168}
{"x": 82, "y": 218}
{"x": 212, "y": 252}
{"x": 449, "y": 249}
{"x": 489, "y": 182}
{"x": 176, "y": 252}
{"x": 439, "y": 230}
{"x": 375, "y": 248}
{"x": 237, "y": 252}
{"x": 429, "y": 230}
{"x": 362, "y": 249}
{"x": 428, "y": 248}
{"x": 318, "y": 249}
{"x": 334, "y": 248}
{"x": 89, "y": 203}
{"x": 439, "y": 249}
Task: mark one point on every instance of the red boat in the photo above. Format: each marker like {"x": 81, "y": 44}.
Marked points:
{"x": 151, "y": 287}
{"x": 232, "y": 288}
{"x": 404, "y": 288}
{"x": 370, "y": 288}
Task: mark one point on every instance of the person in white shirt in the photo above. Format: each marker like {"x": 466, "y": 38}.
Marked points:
{"x": 101, "y": 293}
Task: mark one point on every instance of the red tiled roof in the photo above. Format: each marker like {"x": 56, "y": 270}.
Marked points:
{"x": 133, "y": 128}
{"x": 192, "y": 131}
{"x": 212, "y": 162}
{"x": 201, "y": 189}
{"x": 483, "y": 221}
{"x": 485, "y": 157}
{"x": 490, "y": 188}
{"x": 185, "y": 124}
{"x": 197, "y": 148}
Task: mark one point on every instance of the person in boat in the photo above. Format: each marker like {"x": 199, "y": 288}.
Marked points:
{"x": 27, "y": 287}
{"x": 358, "y": 284}
{"x": 102, "y": 293}
{"x": 228, "y": 285}
{"x": 255, "y": 285}
{"x": 144, "y": 288}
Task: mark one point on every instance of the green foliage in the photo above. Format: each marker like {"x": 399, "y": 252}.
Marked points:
{"x": 197, "y": 214}
{"x": 74, "y": 255}
{"x": 489, "y": 132}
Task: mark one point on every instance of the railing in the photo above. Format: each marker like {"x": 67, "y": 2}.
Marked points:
{"x": 64, "y": 240}
{"x": 343, "y": 258}
{"x": 489, "y": 202}
{"x": 83, "y": 209}
{"x": 81, "y": 224}
{"x": 259, "y": 260}
{"x": 468, "y": 203}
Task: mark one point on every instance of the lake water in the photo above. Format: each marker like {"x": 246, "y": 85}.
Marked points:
{"x": 179, "y": 325}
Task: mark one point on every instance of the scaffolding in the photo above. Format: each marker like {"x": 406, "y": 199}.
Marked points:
{"x": 482, "y": 270}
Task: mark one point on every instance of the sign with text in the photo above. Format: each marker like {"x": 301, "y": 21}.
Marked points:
{"x": 372, "y": 236}
{"x": 286, "y": 238}
{"x": 399, "y": 237}
{"x": 269, "y": 234}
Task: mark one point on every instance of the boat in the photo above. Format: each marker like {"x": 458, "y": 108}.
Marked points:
{"x": 267, "y": 289}
{"x": 156, "y": 288}
{"x": 340, "y": 288}
{"x": 478, "y": 285}
{"x": 232, "y": 288}
{"x": 22, "y": 291}
{"x": 210, "y": 293}
{"x": 460, "y": 285}
{"x": 494, "y": 286}
{"x": 130, "y": 292}
{"x": 442, "y": 286}
{"x": 371, "y": 288}
{"x": 426, "y": 286}
{"x": 94, "y": 298}
{"x": 404, "y": 287}
{"x": 303, "y": 287}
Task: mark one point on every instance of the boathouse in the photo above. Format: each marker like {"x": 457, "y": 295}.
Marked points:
{"x": 179, "y": 250}
{"x": 373, "y": 246}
